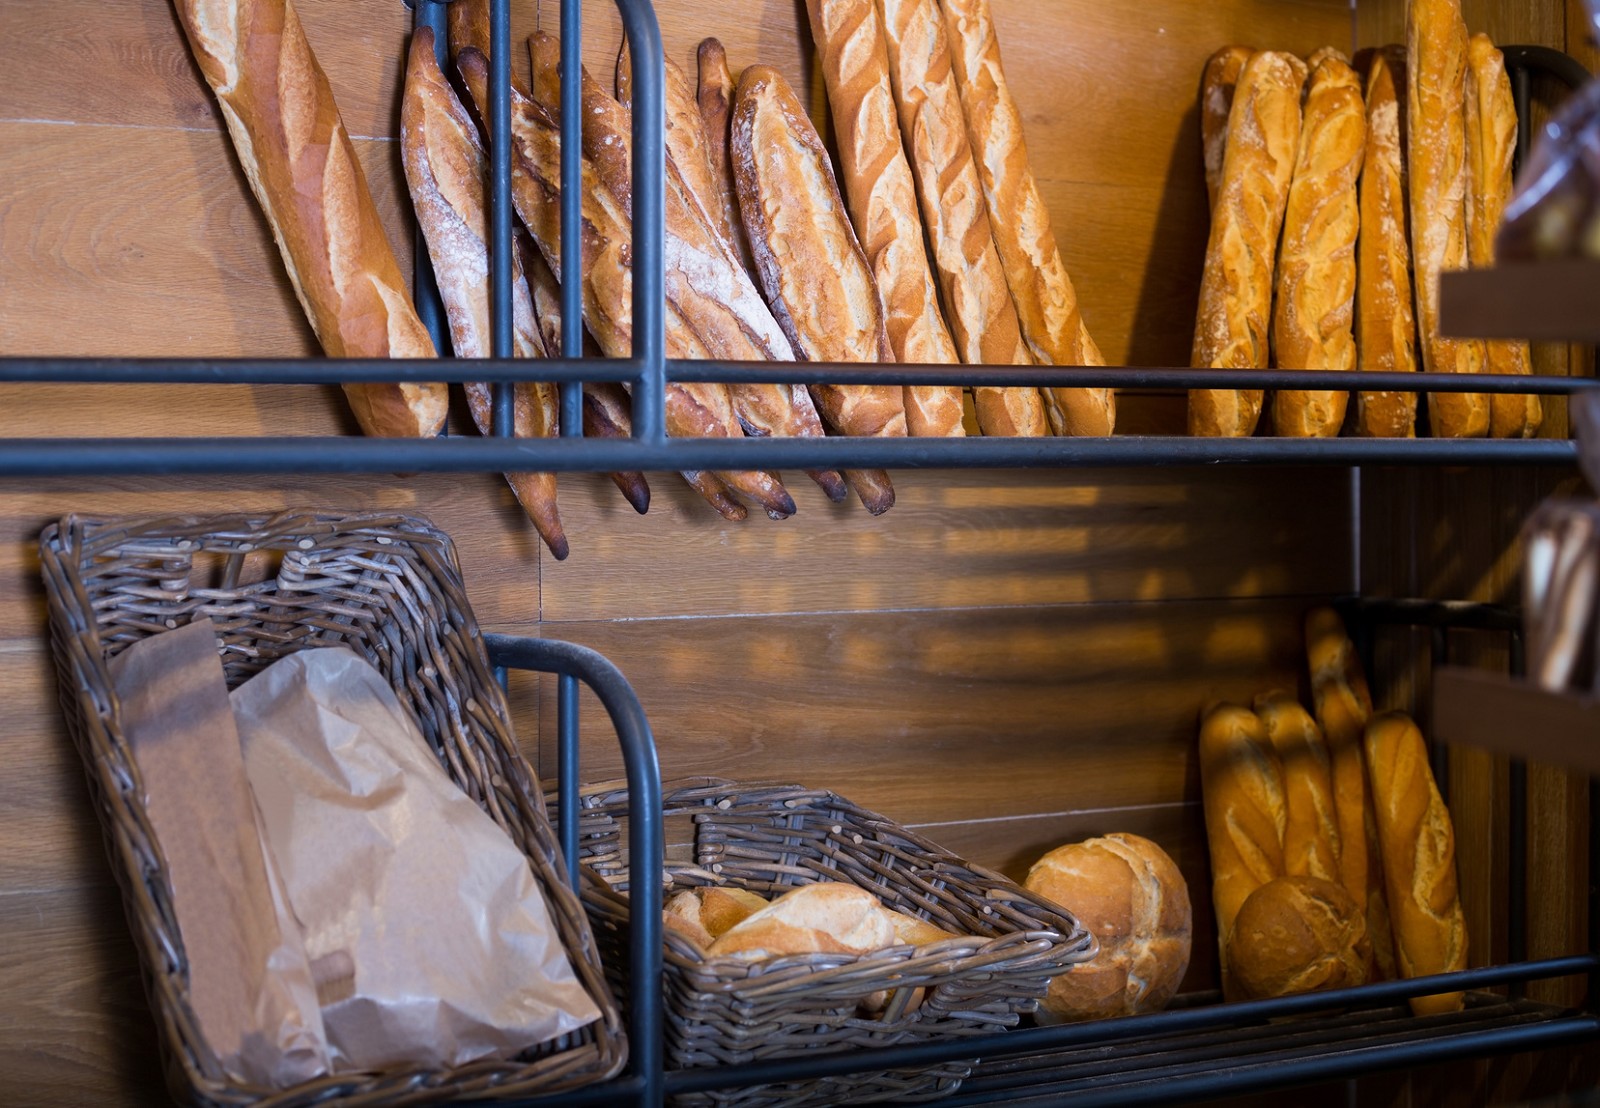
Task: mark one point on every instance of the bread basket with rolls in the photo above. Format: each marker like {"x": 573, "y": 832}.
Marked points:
{"x": 870, "y": 935}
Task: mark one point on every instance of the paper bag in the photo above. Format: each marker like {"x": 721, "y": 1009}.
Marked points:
{"x": 429, "y": 939}
{"x": 249, "y": 982}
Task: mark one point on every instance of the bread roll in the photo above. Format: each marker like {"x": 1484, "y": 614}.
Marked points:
{"x": 723, "y": 907}
{"x": 1436, "y": 161}
{"x": 681, "y": 913}
{"x": 972, "y": 279}
{"x": 1297, "y": 935}
{"x": 826, "y": 918}
{"x": 883, "y": 202}
{"x": 304, "y": 173}
{"x": 1046, "y": 302}
{"x": 815, "y": 276}
{"x": 1131, "y": 897}
{"x": 1491, "y": 123}
{"x": 714, "y": 96}
{"x": 912, "y": 931}
{"x": 1311, "y": 826}
{"x": 1313, "y": 322}
{"x": 1386, "y": 327}
{"x": 1217, "y": 85}
{"x": 1241, "y": 779}
{"x": 1236, "y": 287}
{"x": 1419, "y": 857}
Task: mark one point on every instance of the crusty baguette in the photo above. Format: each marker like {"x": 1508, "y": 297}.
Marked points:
{"x": 691, "y": 410}
{"x": 298, "y": 160}
{"x": 1217, "y": 83}
{"x": 1236, "y": 287}
{"x": 1313, "y": 322}
{"x": 1386, "y": 325}
{"x": 812, "y": 269}
{"x": 883, "y": 201}
{"x": 444, "y": 166}
{"x": 978, "y": 306}
{"x": 1419, "y": 857}
{"x": 714, "y": 95}
{"x": 1436, "y": 162}
{"x": 828, "y": 917}
{"x": 1491, "y": 122}
{"x": 1046, "y": 302}
{"x": 1241, "y": 779}
{"x": 1322, "y": 54}
{"x": 1311, "y": 826}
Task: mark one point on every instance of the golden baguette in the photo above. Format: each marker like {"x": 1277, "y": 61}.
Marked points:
{"x": 714, "y": 95}
{"x": 1217, "y": 84}
{"x": 1046, "y": 302}
{"x": 1311, "y": 825}
{"x": 1313, "y": 321}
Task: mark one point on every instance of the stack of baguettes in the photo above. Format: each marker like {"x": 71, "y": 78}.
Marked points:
{"x": 1339, "y": 193}
{"x": 1332, "y": 853}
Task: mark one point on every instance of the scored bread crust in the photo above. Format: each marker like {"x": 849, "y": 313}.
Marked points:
{"x": 1419, "y": 864}
{"x": 1386, "y": 325}
{"x": 812, "y": 268}
{"x": 1436, "y": 162}
{"x": 1217, "y": 84}
{"x": 1491, "y": 123}
{"x": 714, "y": 95}
{"x": 1311, "y": 825}
{"x": 302, "y": 168}
{"x": 1313, "y": 321}
{"x": 1296, "y": 934}
{"x": 1045, "y": 300}
{"x": 445, "y": 168}
{"x": 829, "y": 917}
{"x": 1231, "y": 327}
{"x": 972, "y": 279}
{"x": 882, "y": 196}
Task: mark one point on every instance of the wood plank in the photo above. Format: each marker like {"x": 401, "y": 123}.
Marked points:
{"x": 1517, "y": 718}
{"x": 943, "y": 716}
{"x": 1553, "y": 301}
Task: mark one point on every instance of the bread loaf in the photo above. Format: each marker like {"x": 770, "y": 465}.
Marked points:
{"x": 1386, "y": 326}
{"x": 883, "y": 201}
{"x": 829, "y": 917}
{"x": 714, "y": 95}
{"x": 1297, "y": 935}
{"x": 1313, "y": 322}
{"x": 304, "y": 173}
{"x": 1217, "y": 84}
{"x": 813, "y": 271}
{"x": 972, "y": 279}
{"x": 1419, "y": 857}
{"x": 1311, "y": 826}
{"x": 681, "y": 915}
{"x": 1236, "y": 288}
{"x": 1131, "y": 897}
{"x": 1436, "y": 161}
{"x": 1241, "y": 779}
{"x": 1046, "y": 302}
{"x": 1491, "y": 123}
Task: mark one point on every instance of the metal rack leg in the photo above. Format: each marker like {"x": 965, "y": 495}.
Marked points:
{"x": 1517, "y": 876}
{"x": 567, "y": 722}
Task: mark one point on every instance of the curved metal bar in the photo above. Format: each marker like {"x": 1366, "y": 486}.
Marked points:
{"x": 645, "y": 842}
{"x": 649, "y": 222}
{"x": 1548, "y": 60}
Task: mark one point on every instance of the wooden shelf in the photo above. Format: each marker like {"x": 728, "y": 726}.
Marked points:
{"x": 1487, "y": 710}
{"x": 1555, "y": 301}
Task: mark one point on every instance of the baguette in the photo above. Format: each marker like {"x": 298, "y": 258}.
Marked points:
{"x": 829, "y": 917}
{"x": 1313, "y": 323}
{"x": 1419, "y": 858}
{"x": 1491, "y": 122}
{"x": 1436, "y": 160}
{"x": 1311, "y": 827}
{"x": 691, "y": 410}
{"x": 811, "y": 266}
{"x": 1236, "y": 287}
{"x": 883, "y": 202}
{"x": 1386, "y": 326}
{"x": 1046, "y": 302}
{"x": 298, "y": 159}
{"x": 1241, "y": 778}
{"x": 1217, "y": 85}
{"x": 444, "y": 166}
{"x": 714, "y": 95}
{"x": 972, "y": 279}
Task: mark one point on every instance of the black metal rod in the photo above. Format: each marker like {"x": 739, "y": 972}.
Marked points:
{"x": 500, "y": 206}
{"x": 645, "y": 842}
{"x": 1462, "y": 614}
{"x": 1039, "y": 1039}
{"x": 1517, "y": 836}
{"x": 1593, "y": 999}
{"x": 571, "y": 210}
{"x": 424, "y": 287}
{"x": 649, "y": 220}
{"x": 568, "y": 769}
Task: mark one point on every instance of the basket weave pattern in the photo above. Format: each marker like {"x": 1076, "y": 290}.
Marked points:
{"x": 769, "y": 839}
{"x": 387, "y": 587}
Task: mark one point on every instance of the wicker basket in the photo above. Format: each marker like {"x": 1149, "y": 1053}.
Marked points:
{"x": 387, "y": 587}
{"x": 769, "y": 838}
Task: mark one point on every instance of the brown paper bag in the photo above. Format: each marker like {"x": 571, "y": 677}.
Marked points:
{"x": 249, "y": 981}
{"x": 429, "y": 939}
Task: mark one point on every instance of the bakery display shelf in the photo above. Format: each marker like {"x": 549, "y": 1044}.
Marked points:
{"x": 1516, "y": 717}
{"x": 1547, "y": 301}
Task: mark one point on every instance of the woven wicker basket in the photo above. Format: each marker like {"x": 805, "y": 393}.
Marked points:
{"x": 769, "y": 838}
{"x": 387, "y": 587}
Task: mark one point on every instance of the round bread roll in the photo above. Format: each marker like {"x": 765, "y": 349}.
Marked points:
{"x": 1131, "y": 897}
{"x": 1296, "y": 935}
